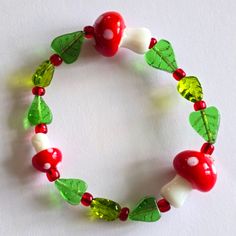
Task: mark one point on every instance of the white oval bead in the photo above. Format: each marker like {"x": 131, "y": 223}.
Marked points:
{"x": 40, "y": 142}
{"x": 136, "y": 39}
{"x": 176, "y": 191}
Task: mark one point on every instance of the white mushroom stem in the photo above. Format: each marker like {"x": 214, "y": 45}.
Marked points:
{"x": 40, "y": 142}
{"x": 176, "y": 191}
{"x": 136, "y": 39}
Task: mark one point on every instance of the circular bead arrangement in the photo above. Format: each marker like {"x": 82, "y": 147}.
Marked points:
{"x": 194, "y": 169}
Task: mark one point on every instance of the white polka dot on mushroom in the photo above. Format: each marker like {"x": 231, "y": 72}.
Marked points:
{"x": 108, "y": 34}
{"x": 192, "y": 161}
{"x": 213, "y": 169}
{"x": 205, "y": 166}
{"x": 47, "y": 166}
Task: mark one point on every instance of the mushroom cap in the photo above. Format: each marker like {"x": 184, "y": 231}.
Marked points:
{"x": 108, "y": 31}
{"x": 47, "y": 159}
{"x": 196, "y": 167}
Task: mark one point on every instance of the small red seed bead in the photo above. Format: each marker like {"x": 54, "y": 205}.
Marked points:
{"x": 153, "y": 41}
{"x": 39, "y": 91}
{"x": 199, "y": 105}
{"x": 207, "y": 148}
{"x": 179, "y": 74}
{"x": 88, "y": 32}
{"x": 86, "y": 199}
{"x": 41, "y": 128}
{"x": 124, "y": 213}
{"x": 53, "y": 174}
{"x": 56, "y": 60}
{"x": 163, "y": 205}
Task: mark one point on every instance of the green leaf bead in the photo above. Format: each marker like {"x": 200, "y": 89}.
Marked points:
{"x": 71, "y": 189}
{"x": 206, "y": 122}
{"x": 146, "y": 210}
{"x": 105, "y": 209}
{"x": 68, "y": 46}
{"x": 190, "y": 88}
{"x": 39, "y": 112}
{"x": 43, "y": 74}
{"x": 161, "y": 56}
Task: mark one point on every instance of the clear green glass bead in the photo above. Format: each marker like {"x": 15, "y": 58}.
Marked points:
{"x": 39, "y": 112}
{"x": 43, "y": 74}
{"x": 206, "y": 122}
{"x": 190, "y": 88}
{"x": 68, "y": 46}
{"x": 146, "y": 210}
{"x": 161, "y": 56}
{"x": 105, "y": 209}
{"x": 71, "y": 189}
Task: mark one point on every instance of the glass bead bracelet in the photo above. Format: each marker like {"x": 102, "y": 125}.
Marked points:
{"x": 194, "y": 169}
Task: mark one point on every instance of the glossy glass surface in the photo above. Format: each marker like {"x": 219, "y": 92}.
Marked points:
{"x": 38, "y": 91}
{"x": 41, "y": 128}
{"x": 190, "y": 88}
{"x": 71, "y": 189}
{"x": 43, "y": 74}
{"x": 207, "y": 148}
{"x": 47, "y": 159}
{"x": 197, "y": 168}
{"x": 163, "y": 205}
{"x": 108, "y": 30}
{"x": 199, "y": 105}
{"x": 146, "y": 210}
{"x": 206, "y": 122}
{"x": 68, "y": 46}
{"x": 105, "y": 209}
{"x": 87, "y": 199}
{"x": 124, "y": 213}
{"x": 39, "y": 112}
{"x": 53, "y": 174}
{"x": 161, "y": 56}
{"x": 179, "y": 74}
{"x": 56, "y": 60}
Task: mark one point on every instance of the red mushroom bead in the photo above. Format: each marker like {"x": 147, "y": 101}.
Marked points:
{"x": 108, "y": 31}
{"x": 47, "y": 159}
{"x": 197, "y": 168}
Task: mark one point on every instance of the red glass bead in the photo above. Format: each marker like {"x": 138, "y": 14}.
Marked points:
{"x": 152, "y": 43}
{"x": 41, "y": 128}
{"x": 199, "y": 105}
{"x": 179, "y": 74}
{"x": 207, "y": 148}
{"x": 86, "y": 199}
{"x": 108, "y": 31}
{"x": 88, "y": 32}
{"x": 47, "y": 159}
{"x": 53, "y": 174}
{"x": 56, "y": 60}
{"x": 124, "y": 213}
{"x": 38, "y": 91}
{"x": 163, "y": 205}
{"x": 196, "y": 167}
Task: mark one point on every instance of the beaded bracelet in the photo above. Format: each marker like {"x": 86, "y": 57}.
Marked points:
{"x": 195, "y": 169}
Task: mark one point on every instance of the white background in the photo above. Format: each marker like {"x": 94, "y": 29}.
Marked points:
{"x": 118, "y": 122}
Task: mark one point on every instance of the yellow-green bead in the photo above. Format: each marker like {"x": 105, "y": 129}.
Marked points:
{"x": 105, "y": 209}
{"x": 43, "y": 74}
{"x": 190, "y": 88}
